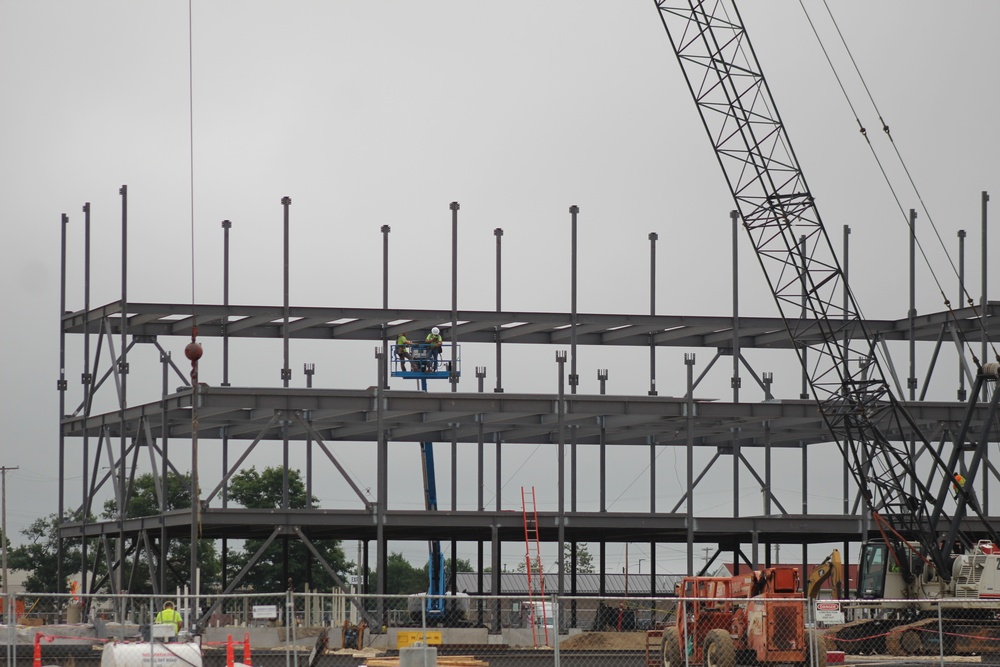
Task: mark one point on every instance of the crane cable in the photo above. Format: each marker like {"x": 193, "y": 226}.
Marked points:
{"x": 885, "y": 128}
{"x": 193, "y": 350}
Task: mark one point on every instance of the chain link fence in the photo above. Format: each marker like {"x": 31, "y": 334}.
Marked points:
{"x": 338, "y": 630}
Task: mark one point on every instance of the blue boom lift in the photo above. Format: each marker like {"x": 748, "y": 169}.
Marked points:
{"x": 426, "y": 362}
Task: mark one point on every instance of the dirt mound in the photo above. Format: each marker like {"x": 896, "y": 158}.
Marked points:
{"x": 606, "y": 641}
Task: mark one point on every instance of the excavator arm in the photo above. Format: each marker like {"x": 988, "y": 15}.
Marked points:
{"x": 832, "y": 570}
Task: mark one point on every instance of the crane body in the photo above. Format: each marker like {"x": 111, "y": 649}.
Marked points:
{"x": 902, "y": 475}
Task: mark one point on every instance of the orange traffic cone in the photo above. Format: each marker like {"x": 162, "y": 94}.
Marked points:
{"x": 229, "y": 651}
{"x": 246, "y": 649}
{"x": 38, "y": 650}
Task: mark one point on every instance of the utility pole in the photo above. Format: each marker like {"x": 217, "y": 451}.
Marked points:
{"x": 3, "y": 519}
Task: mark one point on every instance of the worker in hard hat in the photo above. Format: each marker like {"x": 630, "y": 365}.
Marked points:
{"x": 957, "y": 484}
{"x": 433, "y": 343}
{"x": 170, "y": 615}
{"x": 958, "y": 487}
{"x": 403, "y": 351}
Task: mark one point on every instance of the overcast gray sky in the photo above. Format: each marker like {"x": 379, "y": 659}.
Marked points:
{"x": 372, "y": 113}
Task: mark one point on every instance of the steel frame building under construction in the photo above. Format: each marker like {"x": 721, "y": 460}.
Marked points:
{"x": 489, "y": 419}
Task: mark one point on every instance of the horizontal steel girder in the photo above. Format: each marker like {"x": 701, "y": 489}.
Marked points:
{"x": 412, "y": 416}
{"x": 148, "y": 319}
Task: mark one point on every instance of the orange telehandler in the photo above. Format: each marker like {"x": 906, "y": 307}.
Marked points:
{"x": 725, "y": 621}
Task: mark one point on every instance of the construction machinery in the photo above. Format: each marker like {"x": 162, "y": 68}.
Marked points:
{"x": 927, "y": 544}
{"x": 832, "y": 570}
{"x": 756, "y": 617}
{"x": 916, "y": 611}
{"x": 433, "y": 607}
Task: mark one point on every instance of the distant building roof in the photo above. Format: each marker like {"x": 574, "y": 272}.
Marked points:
{"x": 516, "y": 583}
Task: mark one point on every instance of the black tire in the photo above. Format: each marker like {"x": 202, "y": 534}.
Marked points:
{"x": 672, "y": 655}
{"x": 720, "y": 650}
{"x": 815, "y": 640}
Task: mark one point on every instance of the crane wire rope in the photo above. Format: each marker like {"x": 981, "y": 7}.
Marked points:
{"x": 191, "y": 138}
{"x": 978, "y": 314}
{"x": 885, "y": 128}
{"x": 196, "y": 501}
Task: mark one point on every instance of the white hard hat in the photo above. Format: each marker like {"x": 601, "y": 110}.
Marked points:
{"x": 435, "y": 331}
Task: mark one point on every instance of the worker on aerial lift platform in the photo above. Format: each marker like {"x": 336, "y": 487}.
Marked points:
{"x": 402, "y": 350}
{"x": 433, "y": 342}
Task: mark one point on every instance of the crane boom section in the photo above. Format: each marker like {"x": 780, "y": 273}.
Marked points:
{"x": 779, "y": 214}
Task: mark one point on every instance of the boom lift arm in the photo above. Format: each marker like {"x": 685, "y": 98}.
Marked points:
{"x": 867, "y": 421}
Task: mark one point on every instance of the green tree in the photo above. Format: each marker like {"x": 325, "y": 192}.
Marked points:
{"x": 263, "y": 490}
{"x": 584, "y": 561}
{"x": 144, "y": 501}
{"x": 462, "y": 565}
{"x": 536, "y": 566}
{"x": 40, "y": 556}
{"x": 402, "y": 578}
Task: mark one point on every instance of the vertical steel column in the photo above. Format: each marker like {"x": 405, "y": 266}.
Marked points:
{"x": 480, "y": 463}
{"x": 193, "y": 352}
{"x": 123, "y": 403}
{"x": 652, "y": 311}
{"x": 805, "y": 478}
{"x": 498, "y": 233}
{"x": 985, "y": 262}
{"x": 226, "y": 226}
{"x": 309, "y": 370}
{"x": 982, "y": 299}
{"x": 286, "y": 374}
{"x": 453, "y": 367}
{"x": 689, "y": 358}
{"x": 573, "y": 378}
{"x": 846, "y": 487}
{"x": 846, "y": 370}
{"x": 382, "y": 476}
{"x": 61, "y": 386}
{"x": 804, "y": 394}
{"x": 602, "y": 550}
{"x": 454, "y": 466}
{"x": 495, "y": 574}
{"x": 480, "y": 568}
{"x": 735, "y": 382}
{"x": 652, "y": 473}
{"x": 560, "y": 412}
{"x": 602, "y": 378}
{"x": 767, "y": 468}
{"x": 164, "y": 442}
{"x": 498, "y": 465}
{"x": 911, "y": 382}
{"x": 734, "y": 216}
{"x": 385, "y": 303}
{"x": 85, "y": 380}
{"x": 286, "y": 370}
{"x": 961, "y": 300}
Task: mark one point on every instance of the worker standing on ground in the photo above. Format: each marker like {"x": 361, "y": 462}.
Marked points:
{"x": 433, "y": 342}
{"x": 170, "y": 615}
{"x": 403, "y": 351}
